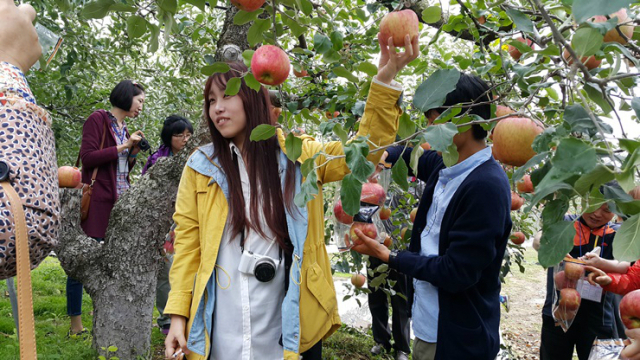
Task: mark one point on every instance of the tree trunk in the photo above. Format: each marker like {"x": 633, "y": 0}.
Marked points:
{"x": 120, "y": 275}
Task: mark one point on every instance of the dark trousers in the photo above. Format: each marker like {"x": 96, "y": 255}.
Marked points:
{"x": 555, "y": 344}
{"x": 74, "y": 294}
{"x": 379, "y": 307}
{"x": 315, "y": 353}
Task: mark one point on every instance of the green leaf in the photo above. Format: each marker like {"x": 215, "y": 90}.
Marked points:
{"x": 340, "y": 133}
{"x": 342, "y": 72}
{"x": 628, "y": 240}
{"x": 306, "y": 6}
{"x": 262, "y": 132}
{"x": 350, "y": 194}
{"x": 574, "y": 156}
{"x": 432, "y": 93}
{"x": 406, "y": 127}
{"x": 356, "y": 156}
{"x": 416, "y": 154}
{"x": 635, "y": 104}
{"x": 554, "y": 211}
{"x": 112, "y": 348}
{"x": 197, "y": 3}
{"x": 597, "y": 97}
{"x": 440, "y": 136}
{"x": 586, "y": 41}
{"x": 251, "y": 82}
{"x": 585, "y": 9}
{"x": 321, "y": 43}
{"x": 293, "y": 147}
{"x": 450, "y": 155}
{"x": 399, "y": 173}
{"x": 368, "y": 68}
{"x": 170, "y": 6}
{"x": 233, "y": 86}
{"x": 308, "y": 190}
{"x": 218, "y": 67}
{"x": 244, "y": 17}
{"x": 519, "y": 173}
{"x": 432, "y": 14}
{"x": 247, "y": 55}
{"x": 259, "y": 27}
{"x": 120, "y": 7}
{"x": 136, "y": 26}
{"x": 522, "y": 21}
{"x": 593, "y": 179}
{"x": 153, "y": 40}
{"x": 96, "y": 9}
{"x": 337, "y": 40}
{"x": 556, "y": 243}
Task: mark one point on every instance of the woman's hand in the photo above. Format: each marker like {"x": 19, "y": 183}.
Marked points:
{"x": 175, "y": 340}
{"x": 19, "y": 44}
{"x": 391, "y": 62}
{"x": 597, "y": 276}
{"x": 632, "y": 351}
{"x": 134, "y": 139}
{"x": 368, "y": 246}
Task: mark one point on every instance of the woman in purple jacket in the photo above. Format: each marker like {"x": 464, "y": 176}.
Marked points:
{"x": 114, "y": 161}
{"x": 175, "y": 134}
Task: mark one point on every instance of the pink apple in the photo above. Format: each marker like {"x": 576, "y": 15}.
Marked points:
{"x": 560, "y": 280}
{"x": 613, "y": 35}
{"x": 573, "y": 271}
{"x": 589, "y": 61}
{"x": 368, "y": 229}
{"x": 270, "y": 65}
{"x": 358, "y": 280}
{"x": 512, "y": 140}
{"x": 569, "y": 299}
{"x": 502, "y": 110}
{"x": 397, "y": 24}
{"x": 69, "y": 177}
{"x": 340, "y": 215}
{"x": 514, "y": 52}
{"x": 525, "y": 185}
{"x": 248, "y": 5}
{"x": 385, "y": 213}
{"x": 373, "y": 193}
{"x": 630, "y": 310}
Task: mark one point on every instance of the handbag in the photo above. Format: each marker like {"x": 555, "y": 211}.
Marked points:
{"x": 87, "y": 189}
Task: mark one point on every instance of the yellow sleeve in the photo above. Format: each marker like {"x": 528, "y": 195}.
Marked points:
{"x": 187, "y": 246}
{"x": 379, "y": 123}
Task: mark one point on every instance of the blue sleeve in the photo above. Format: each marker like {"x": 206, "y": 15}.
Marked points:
{"x": 429, "y": 162}
{"x": 478, "y": 231}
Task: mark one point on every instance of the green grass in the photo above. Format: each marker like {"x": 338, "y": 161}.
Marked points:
{"x": 52, "y": 324}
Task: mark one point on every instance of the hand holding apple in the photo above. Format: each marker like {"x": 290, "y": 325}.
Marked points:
{"x": 368, "y": 246}
{"x": 632, "y": 350}
{"x": 391, "y": 62}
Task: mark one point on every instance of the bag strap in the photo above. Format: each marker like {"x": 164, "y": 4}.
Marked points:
{"x": 95, "y": 171}
{"x": 26, "y": 331}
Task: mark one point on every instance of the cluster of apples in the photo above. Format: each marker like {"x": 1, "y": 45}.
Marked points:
{"x": 566, "y": 281}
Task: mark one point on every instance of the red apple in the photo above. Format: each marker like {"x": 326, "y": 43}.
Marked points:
{"x": 398, "y": 24}
{"x": 564, "y": 315}
{"x": 630, "y": 310}
{"x": 569, "y": 299}
{"x": 560, "y": 280}
{"x": 387, "y": 242}
{"x": 573, "y": 271}
{"x": 525, "y": 185}
{"x": 358, "y": 280}
{"x": 301, "y": 73}
{"x": 340, "y": 215}
{"x": 482, "y": 20}
{"x": 368, "y": 229}
{"x": 69, "y": 177}
{"x": 512, "y": 140}
{"x": 403, "y": 232}
{"x": 248, "y": 5}
{"x": 425, "y": 146}
{"x": 502, "y": 110}
{"x": 412, "y": 215}
{"x": 613, "y": 35}
{"x": 589, "y": 61}
{"x": 385, "y": 213}
{"x": 373, "y": 194}
{"x": 514, "y": 52}
{"x": 517, "y": 237}
{"x": 516, "y": 201}
{"x": 270, "y": 65}
{"x": 332, "y": 116}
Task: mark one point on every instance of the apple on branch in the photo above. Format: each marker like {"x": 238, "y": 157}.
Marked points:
{"x": 397, "y": 24}
{"x": 358, "y": 280}
{"x": 514, "y": 52}
{"x": 270, "y": 65}
{"x": 525, "y": 185}
{"x": 512, "y": 140}
{"x": 590, "y": 62}
{"x": 517, "y": 237}
{"x": 626, "y": 28}
{"x": 248, "y": 5}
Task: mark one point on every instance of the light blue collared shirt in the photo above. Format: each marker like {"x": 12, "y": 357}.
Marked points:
{"x": 426, "y": 307}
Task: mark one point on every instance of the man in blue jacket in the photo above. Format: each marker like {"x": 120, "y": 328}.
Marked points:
{"x": 458, "y": 241}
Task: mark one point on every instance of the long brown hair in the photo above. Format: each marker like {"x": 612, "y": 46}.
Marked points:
{"x": 261, "y": 159}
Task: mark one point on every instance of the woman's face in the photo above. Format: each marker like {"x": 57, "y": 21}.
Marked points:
{"x": 178, "y": 141}
{"x": 136, "y": 105}
{"x": 227, "y": 114}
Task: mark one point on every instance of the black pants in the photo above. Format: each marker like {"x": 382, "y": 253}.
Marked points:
{"x": 379, "y": 307}
{"x": 555, "y": 344}
{"x": 315, "y": 353}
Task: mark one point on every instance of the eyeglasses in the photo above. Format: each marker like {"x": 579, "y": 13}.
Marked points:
{"x": 182, "y": 136}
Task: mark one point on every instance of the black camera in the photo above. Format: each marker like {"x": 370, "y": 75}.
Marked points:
{"x": 144, "y": 145}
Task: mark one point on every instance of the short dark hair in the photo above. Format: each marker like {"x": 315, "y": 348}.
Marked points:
{"x": 471, "y": 88}
{"x": 122, "y": 95}
{"x": 174, "y": 124}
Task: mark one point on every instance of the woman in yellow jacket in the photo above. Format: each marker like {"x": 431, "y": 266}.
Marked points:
{"x": 251, "y": 278}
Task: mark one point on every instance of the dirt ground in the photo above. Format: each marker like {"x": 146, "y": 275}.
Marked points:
{"x": 521, "y": 325}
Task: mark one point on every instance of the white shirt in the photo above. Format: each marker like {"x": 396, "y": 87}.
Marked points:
{"x": 247, "y": 320}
